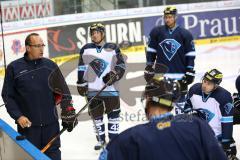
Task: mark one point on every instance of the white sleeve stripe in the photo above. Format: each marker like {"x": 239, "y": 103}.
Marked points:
{"x": 177, "y": 76}
{"x": 82, "y": 84}
{"x": 151, "y": 50}
{"x": 192, "y": 53}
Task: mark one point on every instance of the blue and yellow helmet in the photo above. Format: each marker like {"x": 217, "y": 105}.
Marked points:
{"x": 170, "y": 10}
{"x": 214, "y": 76}
{"x": 97, "y": 27}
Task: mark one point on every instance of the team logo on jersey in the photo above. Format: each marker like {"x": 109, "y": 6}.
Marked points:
{"x": 170, "y": 47}
{"x": 99, "y": 66}
{"x": 228, "y": 107}
{"x": 163, "y": 125}
{"x": 206, "y": 114}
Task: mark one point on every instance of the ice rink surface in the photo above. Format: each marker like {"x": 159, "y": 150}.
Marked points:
{"x": 78, "y": 144}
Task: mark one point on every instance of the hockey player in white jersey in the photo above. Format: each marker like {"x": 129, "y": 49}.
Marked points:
{"x": 214, "y": 104}
{"x": 100, "y": 64}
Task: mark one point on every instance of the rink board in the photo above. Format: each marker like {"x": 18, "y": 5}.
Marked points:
{"x": 11, "y": 149}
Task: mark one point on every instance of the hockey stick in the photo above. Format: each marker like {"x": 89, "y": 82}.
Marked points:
{"x": 2, "y": 104}
{"x": 76, "y": 116}
{"x": 122, "y": 45}
{"x": 53, "y": 140}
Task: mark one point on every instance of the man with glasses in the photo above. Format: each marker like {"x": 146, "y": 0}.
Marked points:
{"x": 31, "y": 90}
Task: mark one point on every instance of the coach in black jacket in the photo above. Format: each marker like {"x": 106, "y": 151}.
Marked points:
{"x": 32, "y": 86}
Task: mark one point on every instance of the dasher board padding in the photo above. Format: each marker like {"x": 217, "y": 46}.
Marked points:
{"x": 12, "y": 149}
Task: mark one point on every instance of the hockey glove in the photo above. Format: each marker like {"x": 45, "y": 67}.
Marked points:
{"x": 58, "y": 98}
{"x": 236, "y": 101}
{"x": 189, "y": 76}
{"x": 200, "y": 114}
{"x": 195, "y": 112}
{"x": 148, "y": 73}
{"x": 69, "y": 120}
{"x": 229, "y": 148}
{"x": 82, "y": 88}
{"x": 236, "y": 109}
{"x": 110, "y": 78}
{"x": 183, "y": 87}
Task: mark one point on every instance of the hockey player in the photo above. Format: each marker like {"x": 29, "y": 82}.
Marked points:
{"x": 101, "y": 64}
{"x": 214, "y": 104}
{"x": 236, "y": 101}
{"x": 165, "y": 136}
{"x": 172, "y": 46}
{"x": 30, "y": 100}
{"x": 237, "y": 84}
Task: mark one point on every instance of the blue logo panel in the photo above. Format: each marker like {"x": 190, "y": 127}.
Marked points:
{"x": 208, "y": 114}
{"x": 170, "y": 47}
{"x": 228, "y": 107}
{"x": 99, "y": 66}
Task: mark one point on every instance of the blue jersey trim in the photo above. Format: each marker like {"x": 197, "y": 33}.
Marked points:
{"x": 159, "y": 117}
{"x": 204, "y": 99}
{"x": 226, "y": 140}
{"x": 82, "y": 68}
{"x": 191, "y": 67}
{"x": 104, "y": 93}
{"x": 172, "y": 30}
{"x": 228, "y": 119}
{"x": 149, "y": 49}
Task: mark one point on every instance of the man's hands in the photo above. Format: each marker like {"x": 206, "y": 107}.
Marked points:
{"x": 24, "y": 122}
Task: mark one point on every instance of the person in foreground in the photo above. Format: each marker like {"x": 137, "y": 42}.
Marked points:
{"x": 33, "y": 85}
{"x": 165, "y": 136}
